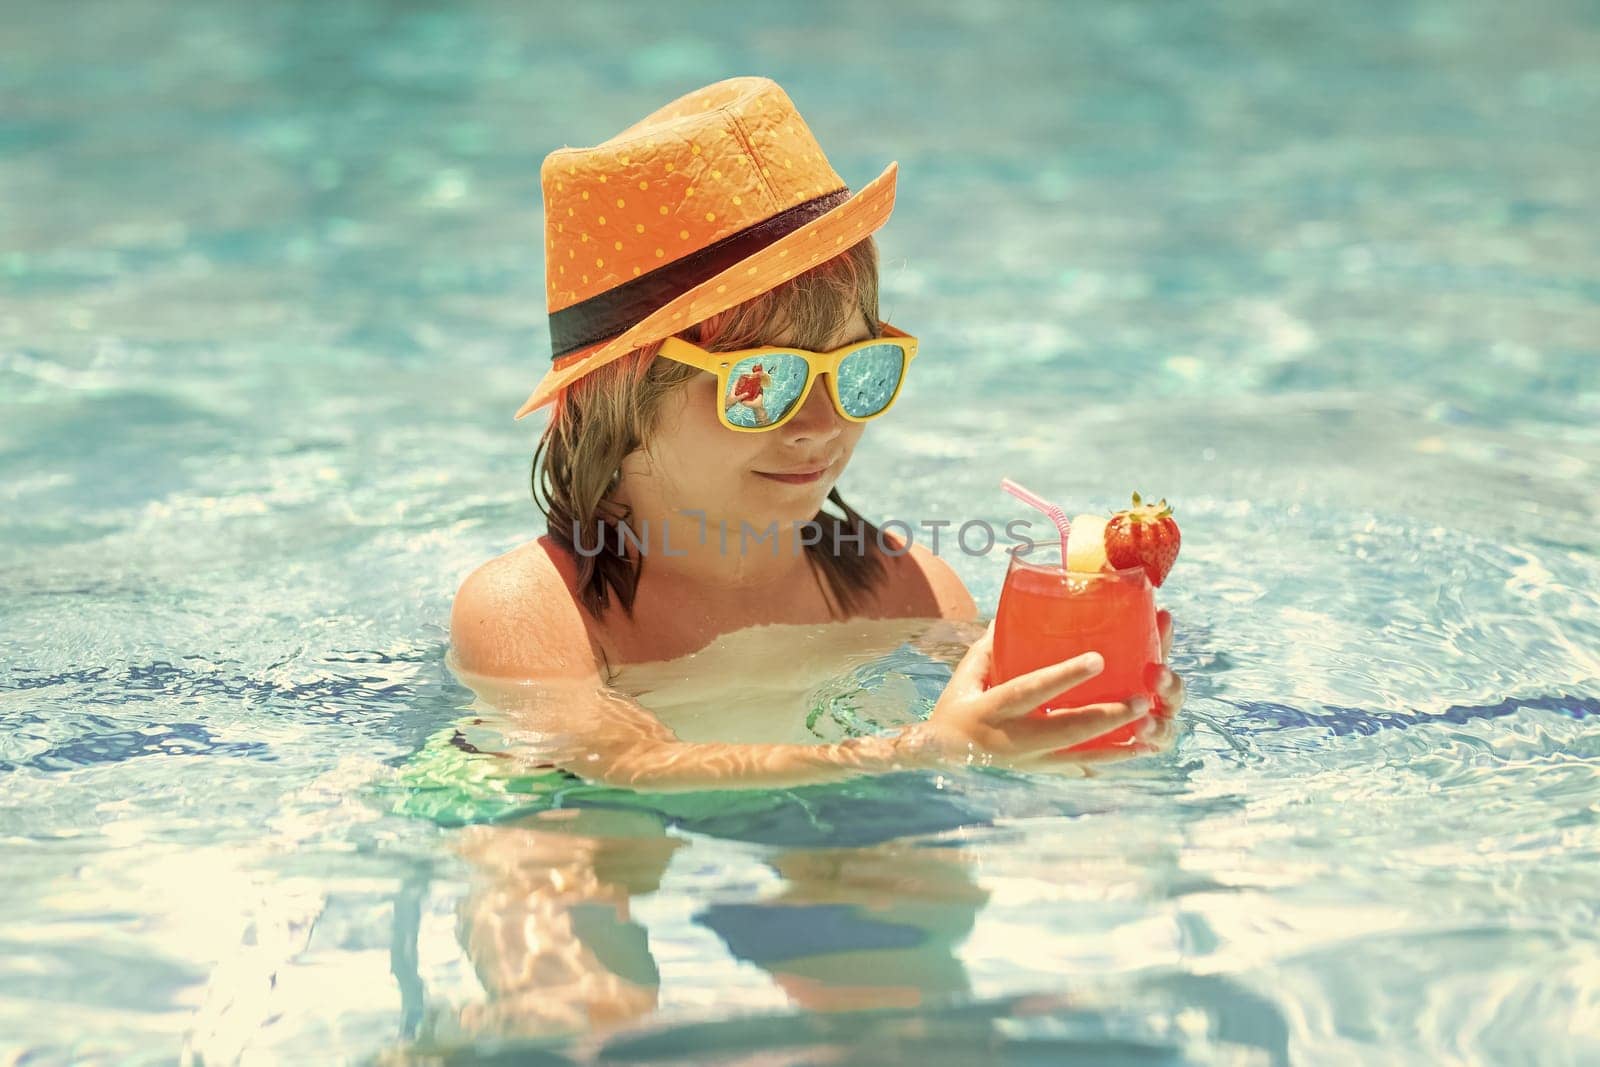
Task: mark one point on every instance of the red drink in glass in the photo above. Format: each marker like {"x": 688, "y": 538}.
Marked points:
{"x": 1048, "y": 614}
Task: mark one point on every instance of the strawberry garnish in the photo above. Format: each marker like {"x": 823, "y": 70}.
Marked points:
{"x": 1145, "y": 535}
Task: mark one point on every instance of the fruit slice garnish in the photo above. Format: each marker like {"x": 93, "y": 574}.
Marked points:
{"x": 1145, "y": 535}
{"x": 1086, "y": 549}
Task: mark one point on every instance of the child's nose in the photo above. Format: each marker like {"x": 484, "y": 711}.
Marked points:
{"x": 817, "y": 418}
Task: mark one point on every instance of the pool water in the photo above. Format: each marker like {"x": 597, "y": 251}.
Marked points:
{"x": 1324, "y": 276}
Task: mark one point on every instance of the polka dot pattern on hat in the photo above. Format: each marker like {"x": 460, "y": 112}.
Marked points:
{"x": 705, "y": 167}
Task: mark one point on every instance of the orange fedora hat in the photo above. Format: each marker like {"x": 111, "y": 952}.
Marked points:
{"x": 712, "y": 200}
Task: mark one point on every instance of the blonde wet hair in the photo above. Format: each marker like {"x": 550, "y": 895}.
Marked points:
{"x": 613, "y": 410}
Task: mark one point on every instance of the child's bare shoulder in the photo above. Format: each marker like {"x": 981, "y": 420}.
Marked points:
{"x": 922, "y": 585}
{"x": 517, "y": 615}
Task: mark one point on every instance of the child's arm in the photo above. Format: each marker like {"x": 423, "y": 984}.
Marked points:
{"x": 518, "y": 641}
{"x": 597, "y": 733}
{"x": 521, "y": 646}
{"x": 603, "y": 735}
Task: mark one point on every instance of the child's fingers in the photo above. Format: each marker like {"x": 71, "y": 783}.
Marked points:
{"x": 1058, "y": 762}
{"x": 1023, "y": 693}
{"x": 1064, "y": 761}
{"x": 1170, "y": 691}
{"x": 1158, "y": 737}
{"x": 1073, "y": 726}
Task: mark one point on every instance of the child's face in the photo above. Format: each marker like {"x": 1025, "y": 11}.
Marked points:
{"x": 704, "y": 465}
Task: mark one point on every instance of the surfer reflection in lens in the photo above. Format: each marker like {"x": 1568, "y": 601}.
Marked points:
{"x": 749, "y": 389}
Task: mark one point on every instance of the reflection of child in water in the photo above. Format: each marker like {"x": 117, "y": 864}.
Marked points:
{"x": 747, "y": 389}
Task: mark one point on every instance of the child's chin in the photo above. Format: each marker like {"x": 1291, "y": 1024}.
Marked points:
{"x": 786, "y": 504}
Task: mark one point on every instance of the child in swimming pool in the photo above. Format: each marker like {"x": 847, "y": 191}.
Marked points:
{"x": 706, "y": 240}
{"x": 750, "y": 389}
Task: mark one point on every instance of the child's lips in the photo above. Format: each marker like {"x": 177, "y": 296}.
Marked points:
{"x": 794, "y": 479}
{"x": 797, "y": 476}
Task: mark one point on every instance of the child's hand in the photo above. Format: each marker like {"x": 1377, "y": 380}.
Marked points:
{"x": 994, "y": 726}
{"x": 1169, "y": 688}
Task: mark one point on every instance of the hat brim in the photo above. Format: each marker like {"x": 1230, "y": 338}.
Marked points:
{"x": 817, "y": 241}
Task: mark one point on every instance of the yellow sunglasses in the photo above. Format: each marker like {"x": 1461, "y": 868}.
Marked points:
{"x": 762, "y": 388}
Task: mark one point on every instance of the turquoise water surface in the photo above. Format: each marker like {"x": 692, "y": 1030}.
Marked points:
{"x": 1324, "y": 275}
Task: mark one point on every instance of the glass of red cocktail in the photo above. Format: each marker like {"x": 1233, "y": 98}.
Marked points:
{"x": 1049, "y": 613}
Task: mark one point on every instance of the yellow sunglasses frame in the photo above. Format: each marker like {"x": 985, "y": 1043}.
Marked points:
{"x": 722, "y": 363}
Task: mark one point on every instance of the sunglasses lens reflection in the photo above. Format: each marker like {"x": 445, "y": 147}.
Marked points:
{"x": 868, "y": 379}
{"x": 763, "y": 389}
